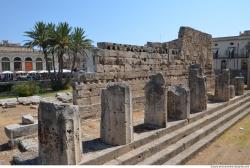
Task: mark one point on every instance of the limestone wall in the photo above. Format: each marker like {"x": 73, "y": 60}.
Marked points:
{"x": 134, "y": 64}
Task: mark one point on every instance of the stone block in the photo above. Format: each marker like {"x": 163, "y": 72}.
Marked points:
{"x": 239, "y": 85}
{"x": 116, "y": 114}
{"x": 28, "y": 145}
{"x": 26, "y": 158}
{"x": 59, "y": 134}
{"x": 17, "y": 130}
{"x": 222, "y": 82}
{"x": 64, "y": 97}
{"x": 156, "y": 101}
{"x": 178, "y": 102}
{"x": 27, "y": 119}
{"x": 232, "y": 91}
{"x": 198, "y": 89}
{"x": 8, "y": 102}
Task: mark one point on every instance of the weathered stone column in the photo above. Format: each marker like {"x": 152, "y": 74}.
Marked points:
{"x": 116, "y": 115}
{"x": 178, "y": 102}
{"x": 156, "y": 101}
{"x": 77, "y": 87}
{"x": 248, "y": 73}
{"x": 59, "y": 134}
{"x": 239, "y": 85}
{"x": 232, "y": 91}
{"x": 222, "y": 89}
{"x": 198, "y": 89}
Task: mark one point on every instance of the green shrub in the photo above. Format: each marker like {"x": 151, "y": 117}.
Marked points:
{"x": 26, "y": 89}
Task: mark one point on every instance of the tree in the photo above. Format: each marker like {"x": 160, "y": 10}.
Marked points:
{"x": 39, "y": 38}
{"x": 78, "y": 43}
{"x": 61, "y": 46}
{"x": 58, "y": 40}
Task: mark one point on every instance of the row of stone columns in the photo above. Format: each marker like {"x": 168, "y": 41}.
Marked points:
{"x": 161, "y": 103}
{"x": 59, "y": 124}
{"x": 224, "y": 89}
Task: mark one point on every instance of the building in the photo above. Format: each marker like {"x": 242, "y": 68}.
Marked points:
{"x": 232, "y": 52}
{"x": 15, "y": 57}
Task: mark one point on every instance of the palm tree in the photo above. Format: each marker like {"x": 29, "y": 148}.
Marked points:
{"x": 52, "y": 34}
{"x": 57, "y": 40}
{"x": 39, "y": 38}
{"x": 62, "y": 44}
{"x": 78, "y": 43}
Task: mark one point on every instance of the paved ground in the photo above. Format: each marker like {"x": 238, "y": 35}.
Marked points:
{"x": 233, "y": 147}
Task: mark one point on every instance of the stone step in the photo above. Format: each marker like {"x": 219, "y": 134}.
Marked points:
{"x": 187, "y": 154}
{"x": 154, "y": 146}
{"x": 105, "y": 156}
{"x": 225, "y": 104}
{"x": 167, "y": 153}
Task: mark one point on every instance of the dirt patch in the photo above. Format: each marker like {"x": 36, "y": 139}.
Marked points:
{"x": 233, "y": 147}
{"x": 11, "y": 116}
{"x": 90, "y": 128}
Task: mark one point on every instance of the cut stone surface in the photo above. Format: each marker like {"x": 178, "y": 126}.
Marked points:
{"x": 26, "y": 158}
{"x": 239, "y": 85}
{"x": 178, "y": 102}
{"x": 198, "y": 89}
{"x": 29, "y": 100}
{"x": 65, "y": 97}
{"x": 16, "y": 130}
{"x": 232, "y": 91}
{"x": 9, "y": 104}
{"x": 222, "y": 82}
{"x": 156, "y": 101}
{"x": 28, "y": 145}
{"x": 27, "y": 119}
{"x": 59, "y": 134}
{"x": 11, "y": 100}
{"x": 116, "y": 116}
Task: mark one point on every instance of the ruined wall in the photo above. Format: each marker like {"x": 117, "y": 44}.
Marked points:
{"x": 134, "y": 64}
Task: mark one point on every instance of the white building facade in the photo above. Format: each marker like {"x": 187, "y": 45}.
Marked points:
{"x": 14, "y": 57}
{"x": 232, "y": 52}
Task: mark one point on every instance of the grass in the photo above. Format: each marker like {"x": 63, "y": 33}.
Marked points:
{"x": 5, "y": 95}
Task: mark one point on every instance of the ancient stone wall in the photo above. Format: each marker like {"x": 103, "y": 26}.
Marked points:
{"x": 134, "y": 64}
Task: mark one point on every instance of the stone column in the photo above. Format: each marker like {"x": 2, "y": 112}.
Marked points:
{"x": 232, "y": 91}
{"x": 239, "y": 85}
{"x": 178, "y": 102}
{"x": 59, "y": 134}
{"x": 116, "y": 115}
{"x": 248, "y": 73}
{"x": 222, "y": 89}
{"x": 156, "y": 101}
{"x": 198, "y": 89}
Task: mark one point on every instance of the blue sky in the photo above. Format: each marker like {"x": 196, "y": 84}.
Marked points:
{"x": 126, "y": 21}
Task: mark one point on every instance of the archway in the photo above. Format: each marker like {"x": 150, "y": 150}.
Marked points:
{"x": 17, "y": 64}
{"x": 5, "y": 64}
{"x": 39, "y": 64}
{"x": 28, "y": 64}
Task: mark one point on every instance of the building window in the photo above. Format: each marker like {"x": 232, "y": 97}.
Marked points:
{"x": 5, "y": 64}
{"x": 231, "y": 52}
{"x": 17, "y": 64}
{"x": 50, "y": 65}
{"x": 215, "y": 53}
{"x": 223, "y": 64}
{"x": 28, "y": 64}
{"x": 39, "y": 64}
{"x": 243, "y": 65}
{"x": 231, "y": 43}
